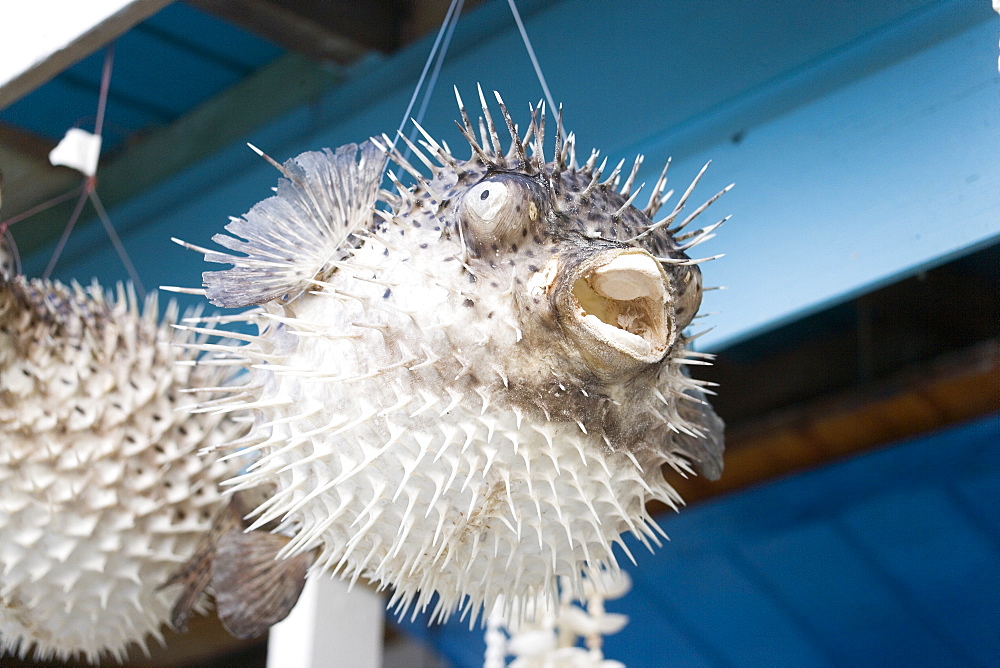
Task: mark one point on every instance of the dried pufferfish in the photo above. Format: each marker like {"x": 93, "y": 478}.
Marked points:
{"x": 102, "y": 493}
{"x": 468, "y": 388}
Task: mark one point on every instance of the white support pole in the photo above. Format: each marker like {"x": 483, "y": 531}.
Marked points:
{"x": 41, "y": 38}
{"x": 330, "y": 626}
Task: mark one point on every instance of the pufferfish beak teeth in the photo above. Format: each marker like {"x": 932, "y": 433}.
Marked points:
{"x": 621, "y": 301}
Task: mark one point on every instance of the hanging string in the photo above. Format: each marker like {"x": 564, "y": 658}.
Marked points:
{"x": 427, "y": 65}
{"x": 102, "y": 99}
{"x": 89, "y": 191}
{"x": 38, "y": 208}
{"x": 443, "y": 40}
{"x": 67, "y": 231}
{"x": 531, "y": 54}
{"x": 434, "y": 74}
{"x": 116, "y": 241}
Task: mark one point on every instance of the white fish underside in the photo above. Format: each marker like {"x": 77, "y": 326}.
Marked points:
{"x": 394, "y": 463}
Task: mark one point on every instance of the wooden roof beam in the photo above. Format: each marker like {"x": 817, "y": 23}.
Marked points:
{"x": 40, "y": 39}
{"x": 291, "y": 29}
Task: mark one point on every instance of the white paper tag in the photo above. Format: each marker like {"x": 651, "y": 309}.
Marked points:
{"x": 78, "y": 149}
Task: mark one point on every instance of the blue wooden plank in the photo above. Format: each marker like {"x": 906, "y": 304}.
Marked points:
{"x": 166, "y": 74}
{"x": 52, "y": 109}
{"x": 228, "y": 42}
{"x": 846, "y": 607}
{"x": 655, "y": 634}
{"x": 942, "y": 566}
{"x": 978, "y": 497}
{"x": 743, "y": 623}
{"x": 973, "y": 453}
{"x": 857, "y": 189}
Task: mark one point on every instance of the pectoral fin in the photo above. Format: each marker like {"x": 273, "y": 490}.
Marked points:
{"x": 254, "y": 589}
{"x": 196, "y": 573}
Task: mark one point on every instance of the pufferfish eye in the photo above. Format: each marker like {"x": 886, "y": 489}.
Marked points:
{"x": 494, "y": 209}
{"x": 485, "y": 202}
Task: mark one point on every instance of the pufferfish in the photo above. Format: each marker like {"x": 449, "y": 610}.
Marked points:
{"x": 102, "y": 492}
{"x": 465, "y": 390}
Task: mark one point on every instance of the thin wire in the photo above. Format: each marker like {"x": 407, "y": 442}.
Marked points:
{"x": 89, "y": 191}
{"x": 117, "y": 243}
{"x": 427, "y": 66}
{"x": 69, "y": 229}
{"x": 102, "y": 100}
{"x": 531, "y": 54}
{"x": 47, "y": 204}
{"x": 434, "y": 74}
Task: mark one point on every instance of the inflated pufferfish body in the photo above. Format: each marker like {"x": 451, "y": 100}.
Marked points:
{"x": 102, "y": 492}
{"x": 474, "y": 391}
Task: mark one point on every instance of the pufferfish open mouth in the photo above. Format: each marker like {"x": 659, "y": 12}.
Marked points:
{"x": 622, "y": 303}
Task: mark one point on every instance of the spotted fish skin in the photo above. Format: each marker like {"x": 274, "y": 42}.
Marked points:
{"x": 8, "y": 261}
{"x": 476, "y": 389}
{"x": 102, "y": 491}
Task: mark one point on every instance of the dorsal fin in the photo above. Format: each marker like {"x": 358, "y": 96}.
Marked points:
{"x": 291, "y": 238}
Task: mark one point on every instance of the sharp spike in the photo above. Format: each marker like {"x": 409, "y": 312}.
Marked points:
{"x": 560, "y": 155}
{"x": 700, "y": 209}
{"x": 398, "y": 158}
{"x": 417, "y": 152}
{"x": 687, "y": 262}
{"x": 189, "y": 246}
{"x": 404, "y": 192}
{"x": 569, "y": 148}
{"x": 274, "y": 163}
{"x": 461, "y": 109}
{"x": 700, "y": 236}
{"x": 613, "y": 178}
{"x": 539, "y": 152}
{"x": 494, "y": 137}
{"x": 468, "y": 131}
{"x": 679, "y": 206}
{"x": 655, "y": 197}
{"x": 515, "y": 139}
{"x": 627, "y": 188}
{"x": 687, "y": 193}
{"x": 184, "y": 291}
{"x": 484, "y": 138}
{"x": 443, "y": 156}
{"x": 624, "y": 207}
{"x": 596, "y": 178}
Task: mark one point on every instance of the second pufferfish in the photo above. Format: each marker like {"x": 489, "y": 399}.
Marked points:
{"x": 468, "y": 387}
